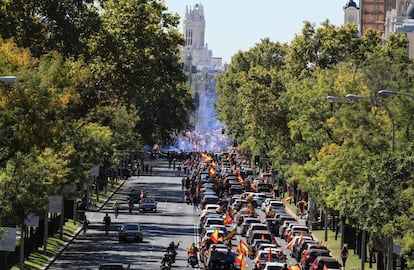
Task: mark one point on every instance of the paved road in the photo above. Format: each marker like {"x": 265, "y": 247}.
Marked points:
{"x": 174, "y": 221}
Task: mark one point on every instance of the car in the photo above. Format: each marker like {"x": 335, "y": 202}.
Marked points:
{"x": 134, "y": 195}
{"x": 130, "y": 232}
{"x": 325, "y": 262}
{"x": 245, "y": 224}
{"x": 111, "y": 266}
{"x": 269, "y": 255}
{"x": 273, "y": 266}
{"x": 148, "y": 205}
{"x": 310, "y": 255}
{"x": 219, "y": 257}
{"x": 255, "y": 226}
{"x": 242, "y": 214}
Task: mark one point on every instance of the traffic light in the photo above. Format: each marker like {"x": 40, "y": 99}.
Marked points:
{"x": 256, "y": 160}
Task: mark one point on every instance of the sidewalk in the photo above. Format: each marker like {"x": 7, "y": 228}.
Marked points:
{"x": 62, "y": 248}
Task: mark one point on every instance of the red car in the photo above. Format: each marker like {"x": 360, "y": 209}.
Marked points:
{"x": 320, "y": 262}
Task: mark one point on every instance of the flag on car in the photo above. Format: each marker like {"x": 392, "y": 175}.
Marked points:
{"x": 270, "y": 257}
{"x": 227, "y": 219}
{"x": 290, "y": 244}
{"x": 240, "y": 260}
{"x": 231, "y": 234}
{"x": 214, "y": 236}
{"x": 243, "y": 248}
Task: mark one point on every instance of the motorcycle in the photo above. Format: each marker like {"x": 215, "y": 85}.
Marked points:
{"x": 166, "y": 261}
{"x": 192, "y": 260}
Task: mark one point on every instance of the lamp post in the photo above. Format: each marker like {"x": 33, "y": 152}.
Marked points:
{"x": 353, "y": 97}
{"x": 8, "y": 79}
{"x": 388, "y": 93}
{"x": 383, "y": 93}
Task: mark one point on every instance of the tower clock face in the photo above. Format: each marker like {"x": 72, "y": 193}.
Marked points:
{"x": 351, "y": 18}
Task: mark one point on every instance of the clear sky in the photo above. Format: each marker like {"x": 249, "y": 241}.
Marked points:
{"x": 233, "y": 25}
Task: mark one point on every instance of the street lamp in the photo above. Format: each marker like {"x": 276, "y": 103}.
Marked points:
{"x": 353, "y": 97}
{"x": 8, "y": 79}
{"x": 383, "y": 93}
{"x": 389, "y": 93}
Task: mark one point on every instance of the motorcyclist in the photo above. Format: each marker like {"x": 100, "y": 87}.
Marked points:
{"x": 116, "y": 208}
{"x": 172, "y": 249}
{"x": 192, "y": 253}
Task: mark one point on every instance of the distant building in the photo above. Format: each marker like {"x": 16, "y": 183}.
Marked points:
{"x": 352, "y": 14}
{"x": 195, "y": 55}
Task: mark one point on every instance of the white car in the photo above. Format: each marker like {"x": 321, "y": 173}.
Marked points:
{"x": 273, "y": 266}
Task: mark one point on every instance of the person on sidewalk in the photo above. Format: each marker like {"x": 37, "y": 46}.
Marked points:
{"x": 344, "y": 255}
{"x": 107, "y": 222}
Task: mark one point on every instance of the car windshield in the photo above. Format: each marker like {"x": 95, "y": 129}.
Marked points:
{"x": 131, "y": 227}
{"x": 148, "y": 200}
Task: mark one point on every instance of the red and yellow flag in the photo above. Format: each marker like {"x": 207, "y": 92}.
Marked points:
{"x": 294, "y": 267}
{"x": 243, "y": 248}
{"x": 240, "y": 260}
{"x": 214, "y": 236}
{"x": 227, "y": 219}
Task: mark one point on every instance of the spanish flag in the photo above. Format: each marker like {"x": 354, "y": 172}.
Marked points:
{"x": 214, "y": 236}
{"x": 240, "y": 260}
{"x": 270, "y": 257}
{"x": 243, "y": 248}
{"x": 294, "y": 267}
{"x": 231, "y": 234}
{"x": 227, "y": 219}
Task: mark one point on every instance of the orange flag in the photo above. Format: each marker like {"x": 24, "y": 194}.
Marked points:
{"x": 270, "y": 257}
{"x": 325, "y": 267}
{"x": 290, "y": 244}
{"x": 301, "y": 238}
{"x": 214, "y": 236}
{"x": 263, "y": 237}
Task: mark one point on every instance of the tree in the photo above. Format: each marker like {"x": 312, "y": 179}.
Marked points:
{"x": 136, "y": 58}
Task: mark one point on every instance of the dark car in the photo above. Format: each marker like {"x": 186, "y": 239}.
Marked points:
{"x": 135, "y": 196}
{"x": 148, "y": 205}
{"x": 324, "y": 262}
{"x": 311, "y": 255}
{"x": 111, "y": 266}
{"x": 130, "y": 232}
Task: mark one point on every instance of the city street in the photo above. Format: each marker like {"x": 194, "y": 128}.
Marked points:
{"x": 174, "y": 221}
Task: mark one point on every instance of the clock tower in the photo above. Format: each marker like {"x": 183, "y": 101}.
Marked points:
{"x": 352, "y": 14}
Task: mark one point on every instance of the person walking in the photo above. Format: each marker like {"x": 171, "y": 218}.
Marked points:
{"x": 85, "y": 225}
{"x": 107, "y": 222}
{"x": 344, "y": 255}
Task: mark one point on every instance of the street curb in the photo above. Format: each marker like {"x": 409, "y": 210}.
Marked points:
{"x": 62, "y": 248}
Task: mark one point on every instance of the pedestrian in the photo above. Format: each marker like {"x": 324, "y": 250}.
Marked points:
{"x": 107, "y": 222}
{"x": 344, "y": 255}
{"x": 85, "y": 225}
